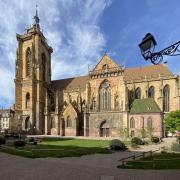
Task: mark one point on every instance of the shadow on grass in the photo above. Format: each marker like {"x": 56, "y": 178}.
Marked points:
{"x": 56, "y": 139}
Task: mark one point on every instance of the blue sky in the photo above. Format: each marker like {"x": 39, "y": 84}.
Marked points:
{"x": 80, "y": 31}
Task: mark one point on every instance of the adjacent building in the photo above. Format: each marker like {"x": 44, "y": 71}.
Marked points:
{"x": 6, "y": 120}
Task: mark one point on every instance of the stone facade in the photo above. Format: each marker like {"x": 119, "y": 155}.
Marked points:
{"x": 98, "y": 104}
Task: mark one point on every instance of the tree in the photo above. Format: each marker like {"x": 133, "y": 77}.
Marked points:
{"x": 172, "y": 121}
{"x": 149, "y": 132}
{"x": 124, "y": 133}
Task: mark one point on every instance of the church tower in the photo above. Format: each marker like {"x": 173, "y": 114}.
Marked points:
{"x": 33, "y": 78}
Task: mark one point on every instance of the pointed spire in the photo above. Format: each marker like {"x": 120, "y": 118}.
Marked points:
{"x": 36, "y": 18}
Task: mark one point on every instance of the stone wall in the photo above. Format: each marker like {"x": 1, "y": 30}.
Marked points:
{"x": 113, "y": 119}
{"x": 141, "y": 123}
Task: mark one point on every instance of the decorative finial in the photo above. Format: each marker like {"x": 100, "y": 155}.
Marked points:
{"x": 36, "y": 18}
{"x": 36, "y": 10}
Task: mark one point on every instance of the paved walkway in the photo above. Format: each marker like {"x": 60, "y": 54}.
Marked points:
{"x": 90, "y": 167}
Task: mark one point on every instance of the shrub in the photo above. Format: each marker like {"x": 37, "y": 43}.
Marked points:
{"x": 31, "y": 139}
{"x": 137, "y": 141}
{"x": 2, "y": 140}
{"x": 155, "y": 139}
{"x": 116, "y": 144}
{"x": 7, "y": 135}
{"x": 19, "y": 143}
{"x": 135, "y": 146}
{"x": 35, "y": 143}
{"x": 175, "y": 147}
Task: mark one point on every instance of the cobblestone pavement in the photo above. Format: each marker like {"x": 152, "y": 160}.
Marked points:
{"x": 90, "y": 167}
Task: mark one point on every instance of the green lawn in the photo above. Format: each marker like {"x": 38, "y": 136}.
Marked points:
{"x": 168, "y": 161}
{"x": 57, "y": 147}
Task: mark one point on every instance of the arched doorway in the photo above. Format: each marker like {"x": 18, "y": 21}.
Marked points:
{"x": 27, "y": 124}
{"x": 104, "y": 129}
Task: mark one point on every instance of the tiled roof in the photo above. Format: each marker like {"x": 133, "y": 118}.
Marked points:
{"x": 129, "y": 74}
{"x": 149, "y": 71}
{"x": 70, "y": 83}
{"x": 144, "y": 106}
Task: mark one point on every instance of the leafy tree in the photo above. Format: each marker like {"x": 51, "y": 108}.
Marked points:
{"x": 172, "y": 121}
{"x": 142, "y": 133}
{"x": 150, "y": 132}
{"x": 146, "y": 132}
{"x": 124, "y": 133}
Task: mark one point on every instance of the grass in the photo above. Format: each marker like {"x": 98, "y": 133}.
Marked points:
{"x": 161, "y": 161}
{"x": 58, "y": 147}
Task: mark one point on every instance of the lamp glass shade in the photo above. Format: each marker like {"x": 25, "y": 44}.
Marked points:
{"x": 148, "y": 43}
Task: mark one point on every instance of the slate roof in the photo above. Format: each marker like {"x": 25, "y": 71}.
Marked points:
{"x": 147, "y": 105}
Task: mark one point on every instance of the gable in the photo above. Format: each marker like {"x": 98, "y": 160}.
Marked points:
{"x": 105, "y": 60}
{"x": 70, "y": 111}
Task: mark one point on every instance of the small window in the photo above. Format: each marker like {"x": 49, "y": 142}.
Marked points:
{"x": 132, "y": 123}
{"x": 105, "y": 67}
{"x": 149, "y": 122}
{"x": 27, "y": 101}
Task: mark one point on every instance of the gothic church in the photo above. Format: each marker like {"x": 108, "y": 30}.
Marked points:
{"x": 109, "y": 100}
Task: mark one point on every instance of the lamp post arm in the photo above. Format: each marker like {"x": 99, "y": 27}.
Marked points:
{"x": 173, "y": 50}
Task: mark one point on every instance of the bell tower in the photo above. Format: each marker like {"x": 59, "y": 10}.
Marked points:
{"x": 33, "y": 78}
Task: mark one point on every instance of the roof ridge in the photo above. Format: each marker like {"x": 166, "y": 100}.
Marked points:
{"x": 141, "y": 67}
{"x": 69, "y": 78}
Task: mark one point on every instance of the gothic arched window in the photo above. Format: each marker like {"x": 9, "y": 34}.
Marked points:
{"x": 138, "y": 93}
{"x": 166, "y": 94}
{"x": 132, "y": 123}
{"x": 130, "y": 97}
{"x": 151, "y": 92}
{"x": 149, "y": 122}
{"x": 28, "y": 62}
{"x": 105, "y": 96}
{"x": 69, "y": 122}
{"x": 27, "y": 101}
{"x": 43, "y": 67}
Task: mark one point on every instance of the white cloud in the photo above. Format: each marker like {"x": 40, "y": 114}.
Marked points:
{"x": 71, "y": 27}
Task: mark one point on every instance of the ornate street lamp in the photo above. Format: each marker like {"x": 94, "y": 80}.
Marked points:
{"x": 147, "y": 47}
